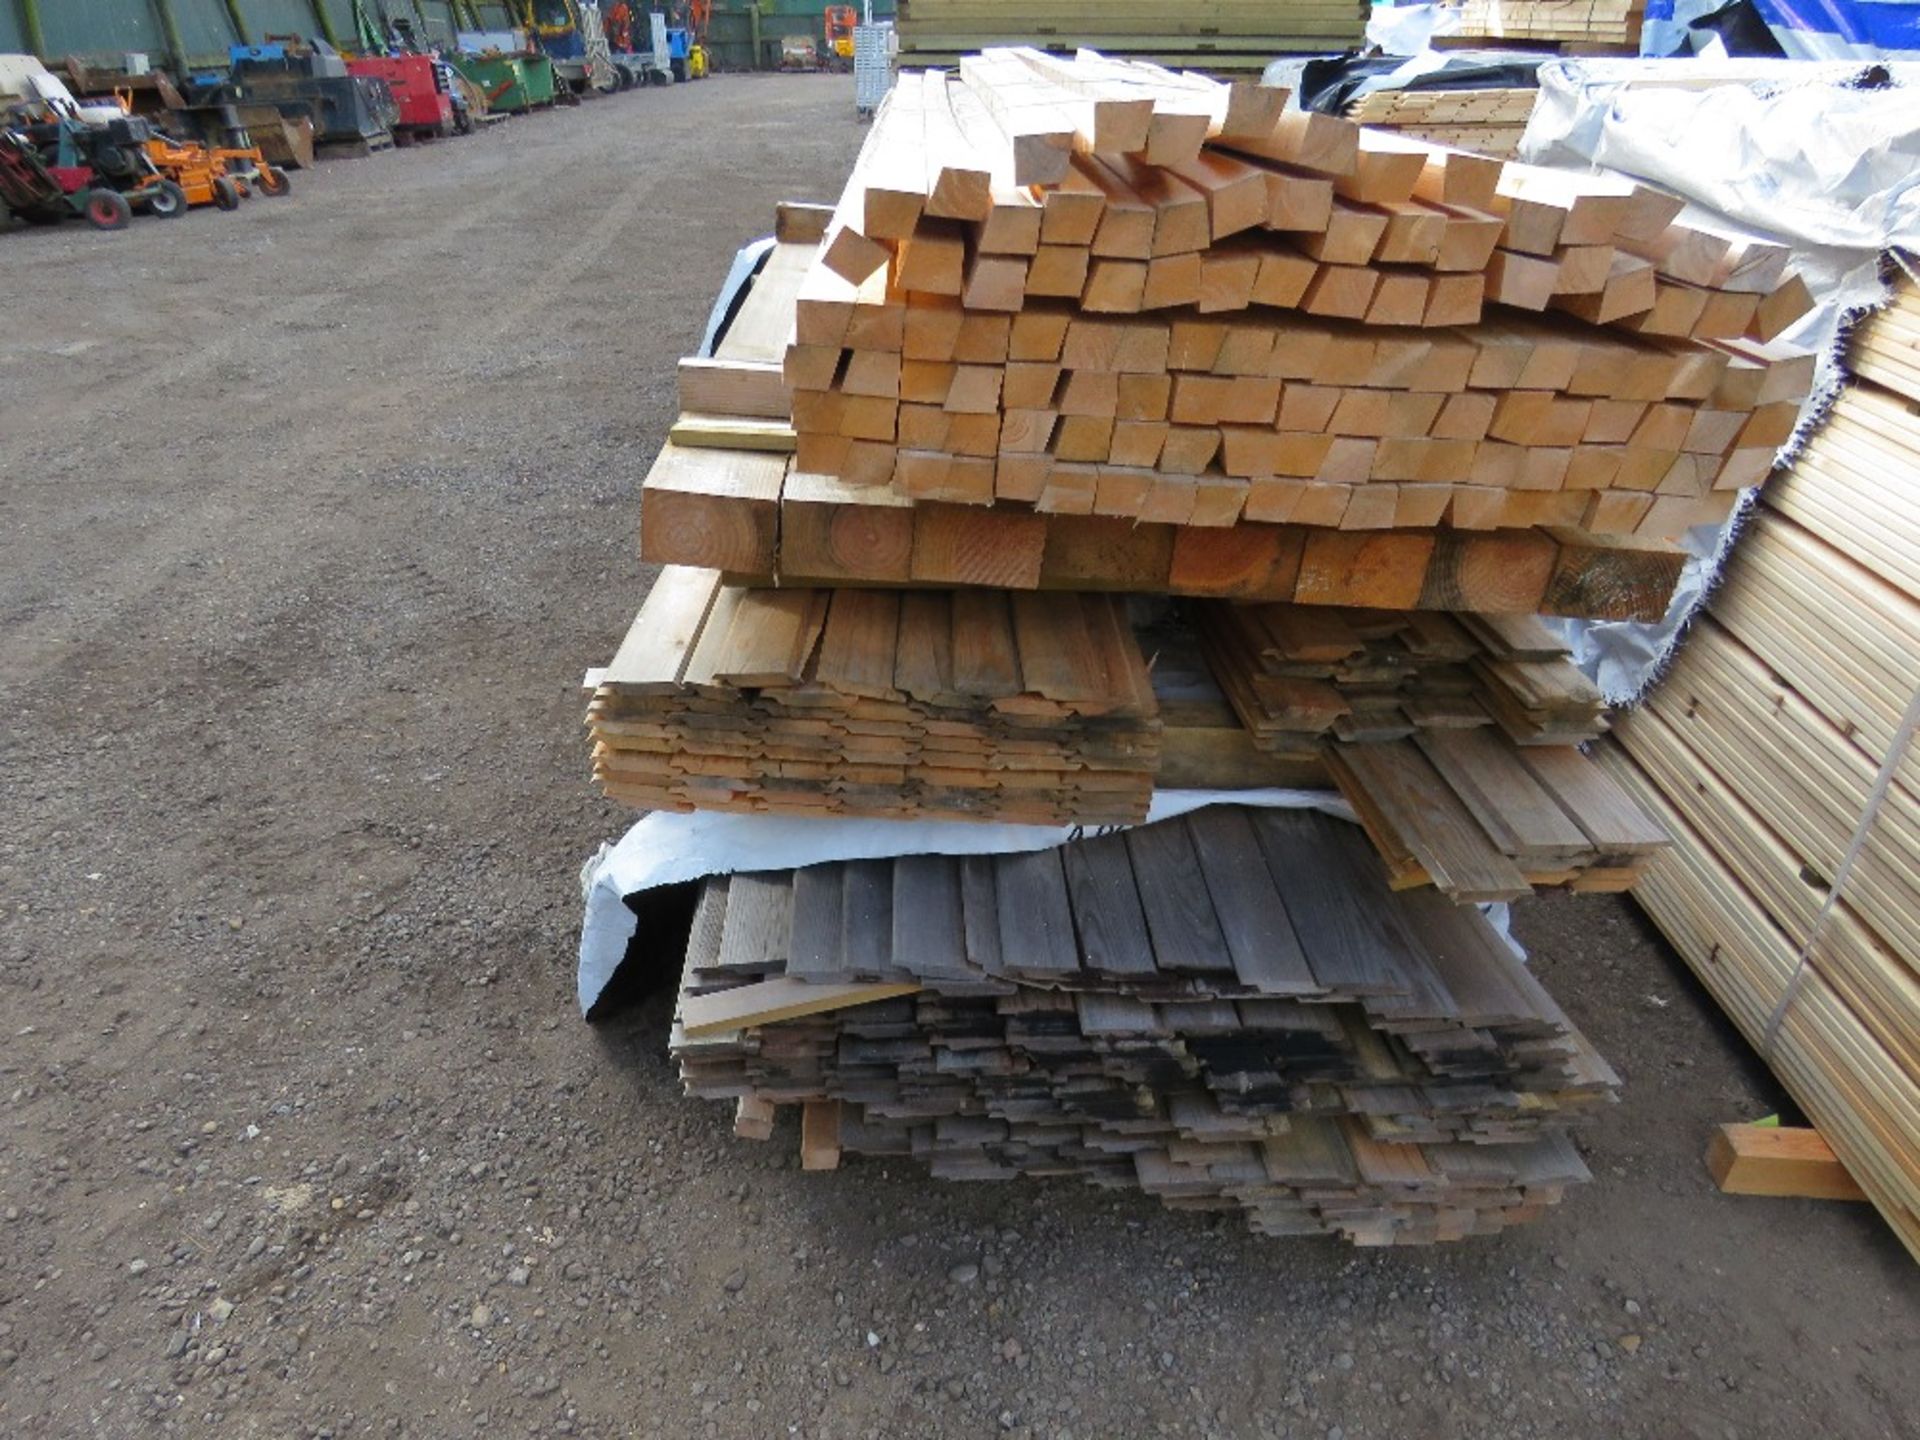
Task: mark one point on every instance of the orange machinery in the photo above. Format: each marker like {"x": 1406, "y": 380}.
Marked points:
{"x": 839, "y": 21}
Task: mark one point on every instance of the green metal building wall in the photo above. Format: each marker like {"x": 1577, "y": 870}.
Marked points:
{"x": 107, "y": 29}
{"x": 102, "y": 29}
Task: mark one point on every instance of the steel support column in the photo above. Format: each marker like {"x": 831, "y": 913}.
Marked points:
{"x": 31, "y": 28}
{"x": 170, "y": 31}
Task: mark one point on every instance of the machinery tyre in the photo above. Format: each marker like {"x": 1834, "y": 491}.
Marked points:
{"x": 463, "y": 121}
{"x": 167, "y": 201}
{"x": 226, "y": 194}
{"x": 272, "y": 180}
{"x": 107, "y": 210}
{"x": 679, "y": 68}
{"x": 627, "y": 81}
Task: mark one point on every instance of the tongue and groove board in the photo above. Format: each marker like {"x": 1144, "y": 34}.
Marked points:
{"x": 878, "y": 702}
{"x": 1762, "y": 751}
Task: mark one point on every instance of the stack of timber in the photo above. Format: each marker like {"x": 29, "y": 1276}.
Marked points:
{"x": 1454, "y": 742}
{"x": 1217, "y": 35}
{"x": 1082, "y": 331}
{"x": 1383, "y": 674}
{"x": 759, "y": 520}
{"x": 1228, "y": 1011}
{"x": 1097, "y": 289}
{"x": 1584, "y": 27}
{"x": 1489, "y": 122}
{"x": 957, "y": 704}
{"x": 1778, "y": 751}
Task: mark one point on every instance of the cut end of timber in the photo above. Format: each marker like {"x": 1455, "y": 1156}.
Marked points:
{"x": 1778, "y": 1160}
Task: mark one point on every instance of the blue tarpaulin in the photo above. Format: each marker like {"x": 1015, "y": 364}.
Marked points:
{"x": 1806, "y": 29}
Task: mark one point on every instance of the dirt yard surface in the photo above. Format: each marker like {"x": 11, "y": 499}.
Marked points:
{"x": 313, "y": 516}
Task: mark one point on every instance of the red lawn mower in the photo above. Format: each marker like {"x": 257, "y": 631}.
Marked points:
{"x": 45, "y": 195}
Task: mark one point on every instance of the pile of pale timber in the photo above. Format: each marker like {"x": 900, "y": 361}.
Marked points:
{"x": 1229, "y": 1011}
{"x": 1588, "y": 27}
{"x": 1219, "y": 35}
{"x": 1778, "y": 753}
{"x": 1488, "y": 122}
{"x": 1098, "y": 290}
{"x": 757, "y": 519}
{"x": 959, "y": 704}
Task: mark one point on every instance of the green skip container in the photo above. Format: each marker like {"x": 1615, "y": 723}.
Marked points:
{"x": 511, "y": 83}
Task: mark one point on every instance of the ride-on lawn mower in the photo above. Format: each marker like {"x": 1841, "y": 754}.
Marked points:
{"x": 194, "y": 170}
{"x": 250, "y": 171}
{"x": 216, "y": 175}
{"x": 41, "y": 196}
{"x": 107, "y": 151}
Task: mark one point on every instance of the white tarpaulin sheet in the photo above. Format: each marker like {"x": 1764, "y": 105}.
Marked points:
{"x": 665, "y": 849}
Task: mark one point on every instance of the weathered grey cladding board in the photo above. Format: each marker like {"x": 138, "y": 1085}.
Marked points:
{"x": 1344, "y": 923}
{"x": 1173, "y": 892}
{"x": 1272, "y": 903}
{"x": 1106, "y": 908}
{"x": 929, "y": 918}
{"x": 1036, "y": 922}
{"x": 1253, "y": 917}
{"x": 758, "y": 923}
{"x": 817, "y": 946}
{"x": 709, "y": 923}
{"x": 980, "y": 904}
{"x": 866, "y": 918}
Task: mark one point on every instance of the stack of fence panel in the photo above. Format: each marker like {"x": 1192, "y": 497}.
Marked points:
{"x": 1778, "y": 751}
{"x": 1219, "y": 35}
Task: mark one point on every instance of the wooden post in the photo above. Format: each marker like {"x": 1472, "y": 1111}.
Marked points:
{"x": 1778, "y": 1160}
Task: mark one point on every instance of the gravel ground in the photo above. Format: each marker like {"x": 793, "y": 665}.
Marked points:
{"x": 313, "y": 515}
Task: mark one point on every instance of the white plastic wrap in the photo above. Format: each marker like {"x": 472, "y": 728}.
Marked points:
{"x": 1789, "y": 149}
{"x": 1409, "y": 29}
